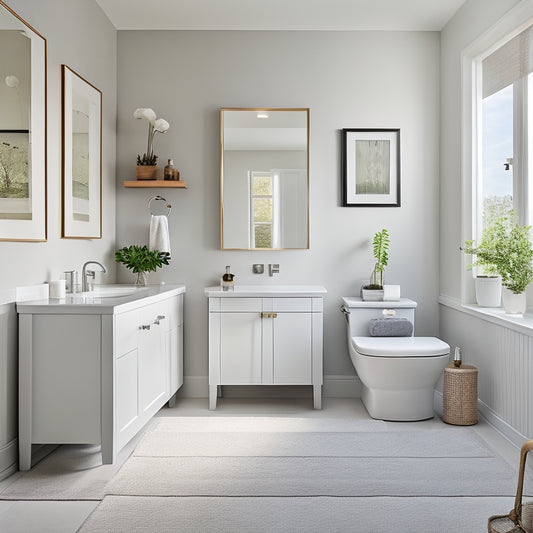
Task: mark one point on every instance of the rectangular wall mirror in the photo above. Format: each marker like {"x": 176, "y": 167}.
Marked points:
{"x": 264, "y": 178}
{"x": 22, "y": 130}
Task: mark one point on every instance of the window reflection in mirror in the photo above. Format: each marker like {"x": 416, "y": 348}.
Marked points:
{"x": 264, "y": 179}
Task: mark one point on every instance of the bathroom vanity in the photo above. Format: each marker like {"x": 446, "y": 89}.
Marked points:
{"x": 94, "y": 368}
{"x": 266, "y": 335}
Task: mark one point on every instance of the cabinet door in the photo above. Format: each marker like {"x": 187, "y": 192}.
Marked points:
{"x": 292, "y": 353}
{"x": 153, "y": 360}
{"x": 240, "y": 348}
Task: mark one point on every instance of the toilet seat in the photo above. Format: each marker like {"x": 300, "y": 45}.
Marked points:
{"x": 400, "y": 346}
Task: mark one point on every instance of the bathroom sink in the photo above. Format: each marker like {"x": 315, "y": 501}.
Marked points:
{"x": 112, "y": 291}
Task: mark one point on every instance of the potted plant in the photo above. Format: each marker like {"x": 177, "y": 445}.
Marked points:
{"x": 147, "y": 163}
{"x": 380, "y": 244}
{"x": 140, "y": 259}
{"x": 488, "y": 283}
{"x": 507, "y": 247}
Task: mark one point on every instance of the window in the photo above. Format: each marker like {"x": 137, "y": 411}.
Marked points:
{"x": 503, "y": 131}
{"x": 264, "y": 231}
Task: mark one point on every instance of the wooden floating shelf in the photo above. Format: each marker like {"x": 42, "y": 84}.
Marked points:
{"x": 176, "y": 184}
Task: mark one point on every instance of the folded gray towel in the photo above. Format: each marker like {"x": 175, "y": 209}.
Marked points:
{"x": 390, "y": 327}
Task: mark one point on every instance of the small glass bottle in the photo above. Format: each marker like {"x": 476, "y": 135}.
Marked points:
{"x": 227, "y": 280}
{"x": 168, "y": 172}
{"x": 457, "y": 361}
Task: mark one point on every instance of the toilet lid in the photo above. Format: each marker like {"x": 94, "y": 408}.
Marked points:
{"x": 400, "y": 346}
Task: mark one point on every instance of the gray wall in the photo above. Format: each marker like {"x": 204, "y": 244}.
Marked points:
{"x": 79, "y": 35}
{"x": 348, "y": 80}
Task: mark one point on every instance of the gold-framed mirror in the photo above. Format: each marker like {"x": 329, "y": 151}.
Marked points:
{"x": 23, "y": 214}
{"x": 264, "y": 178}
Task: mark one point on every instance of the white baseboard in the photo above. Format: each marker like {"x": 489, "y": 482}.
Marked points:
{"x": 508, "y": 431}
{"x": 8, "y": 458}
{"x": 334, "y": 387}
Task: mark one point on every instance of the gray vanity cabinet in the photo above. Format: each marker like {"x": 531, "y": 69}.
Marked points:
{"x": 96, "y": 373}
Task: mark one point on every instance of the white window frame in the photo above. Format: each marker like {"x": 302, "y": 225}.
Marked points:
{"x": 274, "y": 176}
{"x": 510, "y": 25}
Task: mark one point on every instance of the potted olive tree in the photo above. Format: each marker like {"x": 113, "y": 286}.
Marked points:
{"x": 140, "y": 260}
{"x": 380, "y": 244}
{"x": 508, "y": 248}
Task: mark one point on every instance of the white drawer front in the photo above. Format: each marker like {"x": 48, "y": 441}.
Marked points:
{"x": 236, "y": 305}
{"x": 296, "y": 305}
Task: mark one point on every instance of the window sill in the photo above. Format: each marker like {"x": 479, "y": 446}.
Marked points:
{"x": 522, "y": 324}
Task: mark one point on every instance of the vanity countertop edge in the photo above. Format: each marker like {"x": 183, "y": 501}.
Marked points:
{"x": 77, "y": 304}
{"x": 267, "y": 291}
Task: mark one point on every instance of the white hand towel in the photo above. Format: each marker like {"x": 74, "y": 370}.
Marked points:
{"x": 159, "y": 234}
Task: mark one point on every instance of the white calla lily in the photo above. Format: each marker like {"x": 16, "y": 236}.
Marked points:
{"x": 161, "y": 125}
{"x": 154, "y": 125}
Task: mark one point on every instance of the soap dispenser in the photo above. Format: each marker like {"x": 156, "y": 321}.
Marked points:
{"x": 227, "y": 280}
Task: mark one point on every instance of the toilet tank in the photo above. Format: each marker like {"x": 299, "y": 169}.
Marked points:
{"x": 361, "y": 312}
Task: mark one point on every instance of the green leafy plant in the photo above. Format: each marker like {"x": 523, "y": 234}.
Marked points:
{"x": 380, "y": 245}
{"x": 141, "y": 258}
{"x": 505, "y": 249}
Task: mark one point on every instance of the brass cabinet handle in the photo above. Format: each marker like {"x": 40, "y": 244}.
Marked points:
{"x": 268, "y": 315}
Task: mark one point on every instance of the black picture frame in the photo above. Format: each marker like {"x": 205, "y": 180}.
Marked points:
{"x": 371, "y": 173}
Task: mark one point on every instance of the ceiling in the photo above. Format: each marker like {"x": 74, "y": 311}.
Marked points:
{"x": 334, "y": 15}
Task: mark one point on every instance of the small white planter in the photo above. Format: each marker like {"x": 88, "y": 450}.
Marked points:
{"x": 372, "y": 295}
{"x": 488, "y": 291}
{"x": 514, "y": 304}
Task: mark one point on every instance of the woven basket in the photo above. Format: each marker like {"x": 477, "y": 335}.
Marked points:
{"x": 520, "y": 518}
{"x": 460, "y": 395}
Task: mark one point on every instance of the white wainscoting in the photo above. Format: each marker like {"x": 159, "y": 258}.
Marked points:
{"x": 8, "y": 390}
{"x": 503, "y": 354}
{"x": 9, "y": 373}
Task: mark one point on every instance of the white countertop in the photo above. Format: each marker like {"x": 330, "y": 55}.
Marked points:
{"x": 267, "y": 291}
{"x": 85, "y": 303}
{"x": 357, "y": 301}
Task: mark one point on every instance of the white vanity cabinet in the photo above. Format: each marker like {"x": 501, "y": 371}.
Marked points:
{"x": 94, "y": 371}
{"x": 265, "y": 336}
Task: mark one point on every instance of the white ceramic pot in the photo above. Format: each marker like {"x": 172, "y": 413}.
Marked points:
{"x": 372, "y": 295}
{"x": 514, "y": 304}
{"x": 488, "y": 291}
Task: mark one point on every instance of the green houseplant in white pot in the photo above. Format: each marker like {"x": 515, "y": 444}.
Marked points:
{"x": 380, "y": 245}
{"x": 487, "y": 281}
{"x": 508, "y": 248}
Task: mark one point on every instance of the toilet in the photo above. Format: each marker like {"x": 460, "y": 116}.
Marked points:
{"x": 398, "y": 374}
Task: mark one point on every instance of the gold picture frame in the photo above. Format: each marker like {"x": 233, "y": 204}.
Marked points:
{"x": 81, "y": 193}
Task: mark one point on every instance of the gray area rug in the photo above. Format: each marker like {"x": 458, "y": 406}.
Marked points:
{"x": 126, "y": 514}
{"x": 452, "y": 442}
{"x": 313, "y": 476}
{"x": 172, "y": 460}
{"x": 297, "y": 475}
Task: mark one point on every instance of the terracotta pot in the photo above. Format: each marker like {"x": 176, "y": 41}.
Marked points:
{"x": 146, "y": 172}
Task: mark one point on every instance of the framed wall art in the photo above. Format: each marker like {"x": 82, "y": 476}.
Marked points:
{"x": 81, "y": 158}
{"x": 371, "y": 168}
{"x": 23, "y": 215}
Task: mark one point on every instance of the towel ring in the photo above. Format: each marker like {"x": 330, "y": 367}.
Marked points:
{"x": 169, "y": 207}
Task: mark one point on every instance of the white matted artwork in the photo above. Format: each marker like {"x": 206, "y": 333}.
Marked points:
{"x": 371, "y": 167}
{"x": 82, "y": 158}
{"x": 22, "y": 130}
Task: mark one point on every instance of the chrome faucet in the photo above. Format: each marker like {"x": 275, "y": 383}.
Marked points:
{"x": 85, "y": 274}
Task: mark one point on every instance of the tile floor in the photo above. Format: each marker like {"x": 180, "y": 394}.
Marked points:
{"x": 67, "y": 516}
